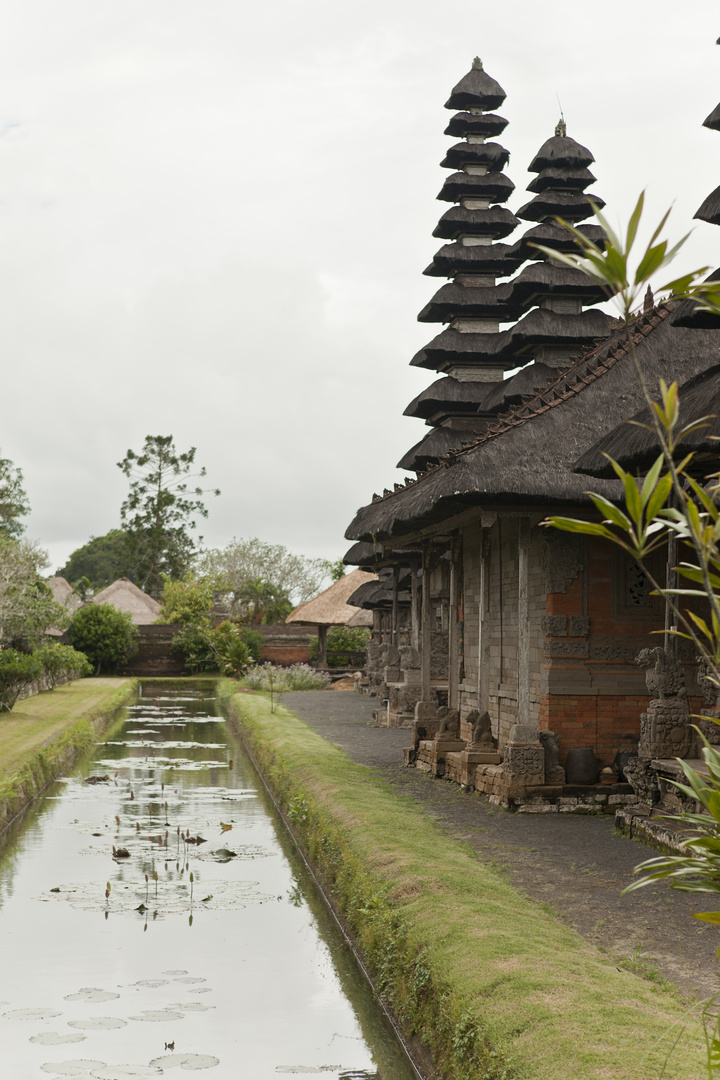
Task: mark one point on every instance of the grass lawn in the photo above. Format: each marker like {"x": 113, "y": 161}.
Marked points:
{"x": 496, "y": 986}
{"x": 42, "y": 733}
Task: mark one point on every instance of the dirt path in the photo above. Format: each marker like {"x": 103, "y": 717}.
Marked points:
{"x": 576, "y": 865}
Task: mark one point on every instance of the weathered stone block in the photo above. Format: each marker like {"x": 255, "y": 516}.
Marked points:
{"x": 525, "y": 764}
{"x": 578, "y": 626}
{"x": 554, "y": 625}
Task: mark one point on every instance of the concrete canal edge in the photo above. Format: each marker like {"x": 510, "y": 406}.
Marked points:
{"x": 483, "y": 983}
{"x": 80, "y": 718}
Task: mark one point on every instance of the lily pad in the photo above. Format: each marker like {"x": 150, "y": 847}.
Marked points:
{"x": 186, "y": 1061}
{"x": 55, "y": 1038}
{"x": 125, "y": 1072}
{"x": 191, "y": 979}
{"x": 191, "y": 1006}
{"x": 157, "y": 1015}
{"x": 92, "y": 993}
{"x": 176, "y": 971}
{"x": 151, "y": 982}
{"x": 31, "y": 1014}
{"x": 75, "y": 1067}
{"x": 98, "y": 1023}
{"x": 224, "y": 854}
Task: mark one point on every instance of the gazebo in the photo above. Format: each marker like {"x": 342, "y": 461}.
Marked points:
{"x": 331, "y": 608}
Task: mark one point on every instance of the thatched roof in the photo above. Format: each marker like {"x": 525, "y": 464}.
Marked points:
{"x": 688, "y": 313}
{"x": 491, "y": 154}
{"x": 564, "y": 204}
{"x": 63, "y": 592}
{"x": 710, "y": 209}
{"x": 495, "y": 186}
{"x": 451, "y": 394}
{"x": 330, "y": 608}
{"x": 125, "y": 596}
{"x": 361, "y": 618}
{"x": 636, "y": 448}
{"x": 712, "y": 121}
{"x": 465, "y": 123}
{"x": 363, "y": 554}
{"x": 540, "y": 279}
{"x": 453, "y": 346}
{"x": 495, "y": 221}
{"x": 487, "y": 301}
{"x": 544, "y": 327}
{"x": 563, "y": 152}
{"x": 562, "y": 179}
{"x": 436, "y": 444}
{"x": 554, "y": 236}
{"x": 476, "y": 90}
{"x": 529, "y": 456}
{"x": 527, "y": 382}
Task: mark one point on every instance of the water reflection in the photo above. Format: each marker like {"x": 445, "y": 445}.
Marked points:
{"x": 151, "y": 912}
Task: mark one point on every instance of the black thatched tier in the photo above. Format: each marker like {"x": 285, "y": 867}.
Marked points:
{"x": 495, "y": 221}
{"x": 541, "y": 279}
{"x": 636, "y": 448}
{"x": 562, "y": 180}
{"x": 688, "y": 313}
{"x": 436, "y": 445}
{"x": 494, "y": 186}
{"x": 362, "y": 554}
{"x": 710, "y": 209}
{"x": 449, "y": 394}
{"x": 543, "y": 327}
{"x": 558, "y": 204}
{"x": 453, "y": 347}
{"x": 712, "y": 121}
{"x": 561, "y": 152}
{"x": 465, "y": 123}
{"x": 481, "y": 302}
{"x": 491, "y": 154}
{"x": 510, "y": 392}
{"x": 499, "y": 260}
{"x": 371, "y": 594}
{"x": 476, "y": 90}
{"x": 552, "y": 236}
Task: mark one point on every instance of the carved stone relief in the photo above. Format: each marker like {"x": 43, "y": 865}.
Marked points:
{"x": 564, "y": 561}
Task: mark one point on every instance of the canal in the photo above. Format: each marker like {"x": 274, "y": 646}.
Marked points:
{"x": 155, "y": 919}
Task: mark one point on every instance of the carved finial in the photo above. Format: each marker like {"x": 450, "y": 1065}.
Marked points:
{"x": 478, "y": 64}
{"x": 648, "y": 301}
{"x": 561, "y": 128}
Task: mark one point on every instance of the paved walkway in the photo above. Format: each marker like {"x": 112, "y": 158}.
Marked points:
{"x": 577, "y": 865}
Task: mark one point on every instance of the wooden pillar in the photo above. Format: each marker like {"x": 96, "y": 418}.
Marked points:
{"x": 483, "y": 693}
{"x": 395, "y": 615}
{"x": 453, "y": 629}
{"x": 322, "y": 647}
{"x": 414, "y": 612}
{"x": 523, "y": 641}
{"x": 426, "y": 625}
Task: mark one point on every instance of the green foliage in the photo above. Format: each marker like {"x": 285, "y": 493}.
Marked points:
{"x": 296, "y": 677}
{"x": 343, "y": 644}
{"x": 260, "y": 602}
{"x": 291, "y": 578}
{"x": 17, "y": 671}
{"x": 106, "y": 636}
{"x": 160, "y": 510}
{"x": 62, "y": 661}
{"x": 335, "y": 569}
{"x": 27, "y": 607}
{"x": 13, "y": 500}
{"x": 101, "y": 561}
{"x": 187, "y": 601}
{"x": 227, "y": 648}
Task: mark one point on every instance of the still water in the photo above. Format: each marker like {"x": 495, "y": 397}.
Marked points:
{"x": 198, "y": 945}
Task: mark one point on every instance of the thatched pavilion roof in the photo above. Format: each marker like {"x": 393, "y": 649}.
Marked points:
{"x": 528, "y": 457}
{"x": 63, "y": 592}
{"x": 126, "y": 596}
{"x": 476, "y": 90}
{"x": 451, "y": 394}
{"x": 330, "y": 608}
{"x": 636, "y": 448}
{"x": 465, "y": 123}
{"x": 491, "y": 154}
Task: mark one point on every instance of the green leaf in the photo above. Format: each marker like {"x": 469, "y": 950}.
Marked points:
{"x": 652, "y": 260}
{"x": 634, "y": 222}
{"x": 612, "y": 512}
{"x": 651, "y": 479}
{"x": 573, "y": 525}
{"x": 659, "y": 497}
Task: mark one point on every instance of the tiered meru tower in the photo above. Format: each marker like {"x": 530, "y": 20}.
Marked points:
{"x": 544, "y": 301}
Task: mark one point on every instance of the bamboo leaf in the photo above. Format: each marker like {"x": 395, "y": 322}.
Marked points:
{"x": 634, "y": 222}
{"x": 651, "y": 480}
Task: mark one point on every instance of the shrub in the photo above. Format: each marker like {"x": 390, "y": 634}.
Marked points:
{"x": 296, "y": 677}
{"x": 227, "y": 648}
{"x": 106, "y": 636}
{"x": 62, "y": 661}
{"x": 343, "y": 644}
{"x": 17, "y": 671}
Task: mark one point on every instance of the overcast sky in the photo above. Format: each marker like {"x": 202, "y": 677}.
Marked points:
{"x": 214, "y": 218}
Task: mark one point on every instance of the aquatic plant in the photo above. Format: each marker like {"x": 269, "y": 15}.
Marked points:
{"x": 296, "y": 677}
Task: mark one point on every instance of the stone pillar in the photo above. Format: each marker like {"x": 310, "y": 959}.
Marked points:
{"x": 523, "y": 643}
{"x": 524, "y": 758}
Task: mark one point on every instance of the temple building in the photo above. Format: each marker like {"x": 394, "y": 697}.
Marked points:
{"x": 511, "y": 648}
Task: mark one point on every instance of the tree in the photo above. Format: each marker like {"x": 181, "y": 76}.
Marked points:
{"x": 187, "y": 601}
{"x": 335, "y": 568}
{"x": 27, "y": 607}
{"x": 160, "y": 510}
{"x": 102, "y": 560}
{"x": 13, "y": 500}
{"x": 106, "y": 636}
{"x": 292, "y": 578}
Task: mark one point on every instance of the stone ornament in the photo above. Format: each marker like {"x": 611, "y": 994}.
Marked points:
{"x": 665, "y": 730}
{"x": 554, "y": 772}
{"x": 482, "y": 738}
{"x": 449, "y": 724}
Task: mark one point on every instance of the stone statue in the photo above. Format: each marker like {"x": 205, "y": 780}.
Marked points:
{"x": 554, "y": 772}
{"x": 449, "y": 723}
{"x": 481, "y": 730}
{"x": 664, "y": 729}
{"x": 643, "y": 779}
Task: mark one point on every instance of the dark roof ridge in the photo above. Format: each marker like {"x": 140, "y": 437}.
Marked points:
{"x": 607, "y": 353}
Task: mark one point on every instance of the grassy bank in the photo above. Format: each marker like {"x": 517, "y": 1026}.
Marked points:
{"x": 43, "y": 735}
{"x": 495, "y": 986}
